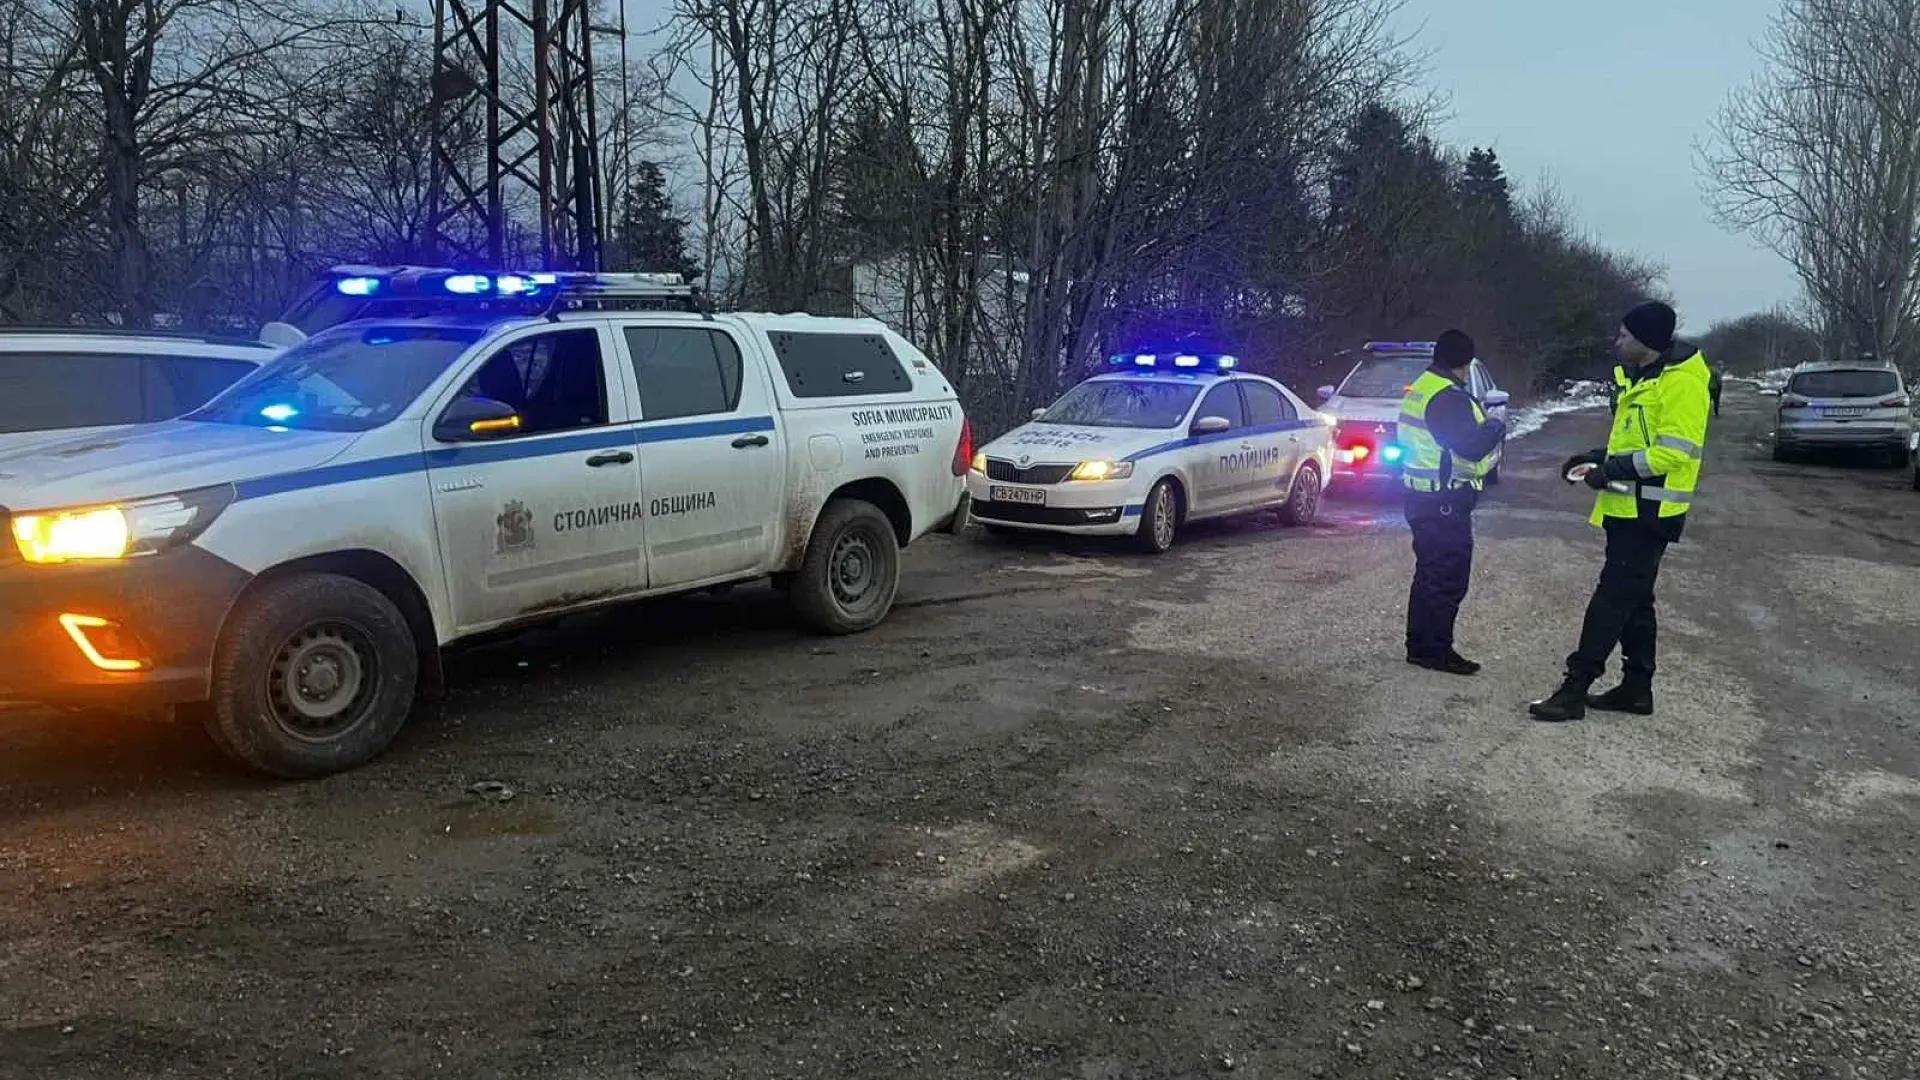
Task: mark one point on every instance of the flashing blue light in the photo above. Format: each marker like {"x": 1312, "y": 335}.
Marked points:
{"x": 512, "y": 285}
{"x": 279, "y": 413}
{"x": 469, "y": 284}
{"x": 1227, "y": 362}
{"x": 1390, "y": 453}
{"x": 544, "y": 279}
{"x": 357, "y": 286}
{"x": 1186, "y": 361}
{"x": 1146, "y": 360}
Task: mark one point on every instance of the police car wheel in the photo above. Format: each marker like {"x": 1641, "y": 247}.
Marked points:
{"x": 847, "y": 581}
{"x": 1303, "y": 502}
{"x": 1159, "y": 519}
{"x": 315, "y": 674}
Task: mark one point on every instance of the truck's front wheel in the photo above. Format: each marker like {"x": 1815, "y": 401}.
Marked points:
{"x": 315, "y": 673}
{"x": 851, "y": 571}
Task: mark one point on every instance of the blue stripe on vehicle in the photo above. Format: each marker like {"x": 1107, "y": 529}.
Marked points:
{"x": 1133, "y": 511}
{"x": 491, "y": 453}
{"x": 1236, "y": 433}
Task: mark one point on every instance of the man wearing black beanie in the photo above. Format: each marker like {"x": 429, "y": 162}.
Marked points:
{"x": 1447, "y": 441}
{"x": 1645, "y": 481}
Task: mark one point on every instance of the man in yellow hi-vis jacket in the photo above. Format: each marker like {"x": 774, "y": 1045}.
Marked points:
{"x": 1646, "y": 479}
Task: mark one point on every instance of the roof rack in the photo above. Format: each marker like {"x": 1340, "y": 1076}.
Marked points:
{"x": 134, "y": 332}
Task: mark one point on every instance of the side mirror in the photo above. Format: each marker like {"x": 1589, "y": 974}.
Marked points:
{"x": 1038, "y": 413}
{"x": 1326, "y": 393}
{"x": 475, "y": 418}
{"x": 1497, "y": 399}
{"x": 281, "y": 335}
{"x": 1212, "y": 425}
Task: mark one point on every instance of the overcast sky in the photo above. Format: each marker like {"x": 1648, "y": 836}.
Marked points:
{"x": 1609, "y": 98}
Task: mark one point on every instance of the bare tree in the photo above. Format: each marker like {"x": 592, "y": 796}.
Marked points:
{"x": 1820, "y": 159}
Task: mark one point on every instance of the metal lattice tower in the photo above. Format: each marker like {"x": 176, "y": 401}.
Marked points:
{"x": 515, "y": 131}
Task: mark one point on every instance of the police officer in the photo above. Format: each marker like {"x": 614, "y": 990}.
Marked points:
{"x": 1646, "y": 478}
{"x": 1446, "y": 439}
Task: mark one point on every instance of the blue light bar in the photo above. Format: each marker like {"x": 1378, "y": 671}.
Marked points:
{"x": 1194, "y": 362}
{"x": 357, "y": 286}
{"x": 279, "y": 413}
{"x": 1227, "y": 363}
{"x": 512, "y": 285}
{"x": 1186, "y": 360}
{"x": 469, "y": 284}
{"x": 1145, "y": 360}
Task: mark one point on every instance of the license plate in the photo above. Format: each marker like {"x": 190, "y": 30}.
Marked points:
{"x": 1843, "y": 412}
{"x": 1029, "y": 496}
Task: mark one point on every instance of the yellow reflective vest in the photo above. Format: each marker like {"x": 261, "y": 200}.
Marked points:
{"x": 1659, "y": 437}
{"x": 1425, "y": 464}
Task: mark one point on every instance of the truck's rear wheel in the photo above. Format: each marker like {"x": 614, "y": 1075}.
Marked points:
{"x": 315, "y": 673}
{"x": 847, "y": 581}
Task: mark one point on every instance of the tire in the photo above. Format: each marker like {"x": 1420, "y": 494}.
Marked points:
{"x": 1159, "y": 519}
{"x": 847, "y": 581}
{"x": 1781, "y": 453}
{"x": 1916, "y": 476}
{"x": 346, "y": 637}
{"x": 1303, "y": 502}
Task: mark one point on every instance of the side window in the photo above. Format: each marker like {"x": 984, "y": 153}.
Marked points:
{"x": 1224, "y": 400}
{"x": 46, "y": 391}
{"x": 1265, "y": 405}
{"x": 684, "y": 371}
{"x": 176, "y": 385}
{"x": 554, "y": 381}
{"x": 839, "y": 365}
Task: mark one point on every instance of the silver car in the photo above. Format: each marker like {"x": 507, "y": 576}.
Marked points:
{"x": 1852, "y": 406}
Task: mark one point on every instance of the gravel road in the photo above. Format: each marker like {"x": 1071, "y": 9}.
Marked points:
{"x": 1071, "y": 812}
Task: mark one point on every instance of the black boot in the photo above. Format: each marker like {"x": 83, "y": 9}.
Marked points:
{"x": 1450, "y": 662}
{"x": 1567, "y": 703}
{"x": 1633, "y": 695}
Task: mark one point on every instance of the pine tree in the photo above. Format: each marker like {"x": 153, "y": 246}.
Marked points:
{"x": 1484, "y": 183}
{"x": 649, "y": 235}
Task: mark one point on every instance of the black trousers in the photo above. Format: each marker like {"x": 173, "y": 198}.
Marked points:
{"x": 1622, "y": 609}
{"x": 1442, "y": 566}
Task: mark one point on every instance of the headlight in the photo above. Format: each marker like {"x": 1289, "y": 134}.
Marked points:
{"x": 1101, "y": 470}
{"x": 979, "y": 463}
{"x": 117, "y": 532}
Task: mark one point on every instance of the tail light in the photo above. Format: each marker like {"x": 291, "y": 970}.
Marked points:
{"x": 1793, "y": 401}
{"x": 963, "y": 453}
{"x": 1900, "y": 402}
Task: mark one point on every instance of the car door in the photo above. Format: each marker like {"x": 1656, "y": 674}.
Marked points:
{"x": 1219, "y": 461}
{"x": 549, "y": 515}
{"x": 1277, "y": 450}
{"x": 712, "y": 465}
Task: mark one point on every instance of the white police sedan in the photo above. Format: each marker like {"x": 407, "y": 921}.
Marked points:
{"x": 1154, "y": 443}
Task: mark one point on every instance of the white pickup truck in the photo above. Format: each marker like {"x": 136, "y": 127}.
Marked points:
{"x": 484, "y": 451}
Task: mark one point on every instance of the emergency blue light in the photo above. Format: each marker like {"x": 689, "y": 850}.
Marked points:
{"x": 1390, "y": 452}
{"x": 512, "y": 285}
{"x": 279, "y": 413}
{"x": 357, "y": 286}
{"x": 469, "y": 284}
{"x": 1180, "y": 361}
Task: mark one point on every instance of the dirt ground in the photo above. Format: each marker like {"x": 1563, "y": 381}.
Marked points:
{"x": 1071, "y": 812}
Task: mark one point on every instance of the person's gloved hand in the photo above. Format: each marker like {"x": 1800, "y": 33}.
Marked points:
{"x": 1591, "y": 457}
{"x": 1597, "y": 479}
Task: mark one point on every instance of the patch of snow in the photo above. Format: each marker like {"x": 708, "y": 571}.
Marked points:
{"x": 1575, "y": 396}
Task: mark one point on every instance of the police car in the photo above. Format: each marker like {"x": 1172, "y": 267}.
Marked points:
{"x": 1366, "y": 407}
{"x": 1159, "y": 440}
{"x": 484, "y": 451}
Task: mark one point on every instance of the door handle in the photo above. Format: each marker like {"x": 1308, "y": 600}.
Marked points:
{"x": 745, "y": 441}
{"x": 618, "y": 457}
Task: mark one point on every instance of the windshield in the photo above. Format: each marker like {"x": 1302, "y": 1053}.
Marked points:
{"x": 1124, "y": 403}
{"x": 351, "y": 378}
{"x": 1384, "y": 377}
{"x": 1845, "y": 384}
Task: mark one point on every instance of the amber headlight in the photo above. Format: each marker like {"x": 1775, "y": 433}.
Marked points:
{"x": 1102, "y": 470}
{"x": 120, "y": 531}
